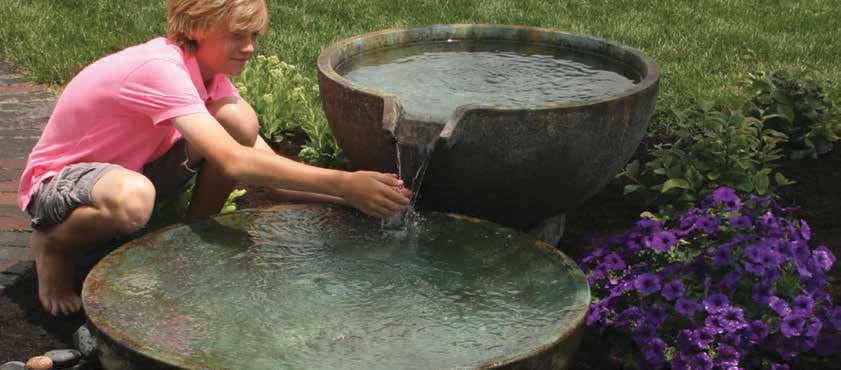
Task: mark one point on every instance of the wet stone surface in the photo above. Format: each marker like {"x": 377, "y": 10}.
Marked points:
{"x": 13, "y": 365}
{"x": 63, "y": 358}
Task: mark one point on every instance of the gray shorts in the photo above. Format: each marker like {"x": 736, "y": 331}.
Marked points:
{"x": 59, "y": 195}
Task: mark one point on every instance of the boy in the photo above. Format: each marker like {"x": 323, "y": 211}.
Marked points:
{"x": 138, "y": 123}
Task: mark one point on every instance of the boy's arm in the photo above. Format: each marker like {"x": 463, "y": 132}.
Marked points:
{"x": 373, "y": 193}
{"x": 297, "y": 196}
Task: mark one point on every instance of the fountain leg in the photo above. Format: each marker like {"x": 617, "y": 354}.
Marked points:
{"x": 550, "y": 230}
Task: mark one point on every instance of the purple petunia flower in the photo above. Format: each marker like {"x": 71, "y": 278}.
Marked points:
{"x": 804, "y": 343}
{"x": 679, "y": 362}
{"x": 731, "y": 279}
{"x": 673, "y": 290}
{"x": 754, "y": 251}
{"x": 647, "y": 284}
{"x": 653, "y": 351}
{"x": 727, "y": 197}
{"x": 784, "y": 248}
{"x": 740, "y": 221}
{"x": 812, "y": 327}
{"x": 805, "y": 230}
{"x": 780, "y": 306}
{"x": 779, "y": 367}
{"x": 656, "y": 315}
{"x": 722, "y": 255}
{"x": 686, "y": 307}
{"x": 684, "y": 341}
{"x": 614, "y": 262}
{"x": 757, "y": 331}
{"x": 771, "y": 225}
{"x": 769, "y": 259}
{"x": 802, "y": 304}
{"x": 630, "y": 316}
{"x": 792, "y": 325}
{"x": 755, "y": 268}
{"x": 595, "y": 314}
{"x": 823, "y": 258}
{"x": 733, "y": 339}
{"x": 647, "y": 226}
{"x": 727, "y": 356}
{"x": 715, "y": 322}
{"x": 732, "y": 319}
{"x": 716, "y": 302}
{"x": 787, "y": 348}
{"x": 707, "y": 224}
{"x": 644, "y": 333}
{"x": 701, "y": 361}
{"x": 761, "y": 293}
{"x": 663, "y": 241}
{"x": 702, "y": 337}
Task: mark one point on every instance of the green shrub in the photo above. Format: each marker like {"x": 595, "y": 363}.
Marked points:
{"x": 713, "y": 146}
{"x": 321, "y": 149}
{"x": 798, "y": 108}
{"x": 278, "y": 93}
{"x": 285, "y": 100}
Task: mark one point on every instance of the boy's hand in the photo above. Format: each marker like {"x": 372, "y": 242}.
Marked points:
{"x": 377, "y": 194}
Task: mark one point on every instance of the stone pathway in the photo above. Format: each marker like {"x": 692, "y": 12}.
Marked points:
{"x": 24, "y": 110}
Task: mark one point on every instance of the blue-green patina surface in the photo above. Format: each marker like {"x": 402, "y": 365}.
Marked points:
{"x": 320, "y": 287}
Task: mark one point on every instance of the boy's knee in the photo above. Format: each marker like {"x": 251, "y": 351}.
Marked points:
{"x": 133, "y": 204}
{"x": 238, "y": 118}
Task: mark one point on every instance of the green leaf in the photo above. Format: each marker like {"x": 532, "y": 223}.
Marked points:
{"x": 675, "y": 183}
{"x": 630, "y": 189}
{"x": 781, "y": 180}
{"x": 761, "y": 183}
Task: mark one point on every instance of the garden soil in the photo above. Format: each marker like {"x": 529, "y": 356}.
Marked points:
{"x": 26, "y": 331}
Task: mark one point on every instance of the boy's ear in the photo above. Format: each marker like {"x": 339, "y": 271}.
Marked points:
{"x": 197, "y": 35}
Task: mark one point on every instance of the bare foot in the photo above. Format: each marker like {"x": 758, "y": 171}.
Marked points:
{"x": 56, "y": 278}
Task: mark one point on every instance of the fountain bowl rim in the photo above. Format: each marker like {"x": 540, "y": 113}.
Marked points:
{"x": 332, "y": 56}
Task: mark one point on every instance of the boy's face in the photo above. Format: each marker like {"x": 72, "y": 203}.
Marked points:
{"x": 221, "y": 50}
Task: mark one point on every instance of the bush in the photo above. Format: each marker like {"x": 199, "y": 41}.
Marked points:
{"x": 285, "y": 100}
{"x": 278, "y": 92}
{"x": 730, "y": 283}
{"x": 798, "y": 108}
{"x": 713, "y": 146}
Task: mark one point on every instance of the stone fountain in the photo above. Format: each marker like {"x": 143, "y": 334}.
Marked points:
{"x": 546, "y": 123}
{"x": 514, "y": 161}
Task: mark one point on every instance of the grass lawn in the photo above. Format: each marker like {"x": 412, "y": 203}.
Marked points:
{"x": 705, "y": 47}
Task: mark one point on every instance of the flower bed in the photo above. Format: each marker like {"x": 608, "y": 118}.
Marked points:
{"x": 731, "y": 283}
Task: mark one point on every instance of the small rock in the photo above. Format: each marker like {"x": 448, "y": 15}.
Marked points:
{"x": 13, "y": 365}
{"x": 63, "y": 358}
{"x": 39, "y": 363}
{"x": 84, "y": 341}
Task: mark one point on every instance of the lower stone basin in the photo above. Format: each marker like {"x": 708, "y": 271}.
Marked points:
{"x": 318, "y": 286}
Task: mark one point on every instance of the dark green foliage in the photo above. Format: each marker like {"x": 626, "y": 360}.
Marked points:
{"x": 799, "y": 108}
{"x": 712, "y": 146}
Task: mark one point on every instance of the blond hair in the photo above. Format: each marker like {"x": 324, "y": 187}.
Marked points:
{"x": 186, "y": 17}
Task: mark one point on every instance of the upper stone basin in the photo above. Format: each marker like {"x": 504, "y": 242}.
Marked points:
{"x": 516, "y": 140}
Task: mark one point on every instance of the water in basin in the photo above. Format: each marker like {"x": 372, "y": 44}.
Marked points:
{"x": 433, "y": 79}
{"x": 322, "y": 287}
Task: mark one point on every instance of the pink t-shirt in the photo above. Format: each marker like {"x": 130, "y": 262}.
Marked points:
{"x": 118, "y": 110}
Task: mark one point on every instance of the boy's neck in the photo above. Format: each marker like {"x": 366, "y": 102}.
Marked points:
{"x": 206, "y": 73}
